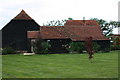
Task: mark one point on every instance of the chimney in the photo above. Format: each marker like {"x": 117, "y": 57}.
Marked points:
{"x": 83, "y": 19}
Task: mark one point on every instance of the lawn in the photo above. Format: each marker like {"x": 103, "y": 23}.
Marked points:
{"x": 104, "y": 65}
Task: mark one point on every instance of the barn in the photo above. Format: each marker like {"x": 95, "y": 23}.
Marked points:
{"x": 22, "y": 30}
{"x": 72, "y": 31}
{"x": 14, "y": 34}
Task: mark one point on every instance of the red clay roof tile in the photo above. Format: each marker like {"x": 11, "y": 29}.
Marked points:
{"x": 53, "y": 32}
{"x": 72, "y": 30}
{"x": 22, "y": 16}
{"x": 82, "y": 22}
{"x": 33, "y": 34}
{"x": 81, "y": 33}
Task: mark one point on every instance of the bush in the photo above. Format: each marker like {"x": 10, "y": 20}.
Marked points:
{"x": 8, "y": 51}
{"x": 80, "y": 46}
{"x": 41, "y": 47}
{"x": 107, "y": 50}
{"x": 113, "y": 47}
{"x": 76, "y": 47}
{"x": 96, "y": 47}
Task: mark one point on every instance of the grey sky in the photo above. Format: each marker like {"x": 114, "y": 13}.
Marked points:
{"x": 45, "y": 10}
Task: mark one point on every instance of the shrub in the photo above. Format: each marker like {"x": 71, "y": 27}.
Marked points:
{"x": 41, "y": 47}
{"x": 80, "y": 46}
{"x": 76, "y": 47}
{"x": 8, "y": 51}
{"x": 114, "y": 47}
{"x": 107, "y": 50}
{"x": 96, "y": 46}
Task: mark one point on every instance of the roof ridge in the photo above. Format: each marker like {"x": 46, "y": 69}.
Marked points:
{"x": 22, "y": 16}
{"x": 81, "y": 22}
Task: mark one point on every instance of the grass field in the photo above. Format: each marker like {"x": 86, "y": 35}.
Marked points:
{"x": 104, "y": 65}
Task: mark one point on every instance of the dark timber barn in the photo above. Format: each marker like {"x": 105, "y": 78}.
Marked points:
{"x": 22, "y": 29}
{"x": 73, "y": 30}
{"x": 14, "y": 34}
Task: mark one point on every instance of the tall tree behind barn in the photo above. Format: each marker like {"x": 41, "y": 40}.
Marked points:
{"x": 14, "y": 34}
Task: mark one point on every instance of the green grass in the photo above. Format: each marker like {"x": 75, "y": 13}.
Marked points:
{"x": 104, "y": 65}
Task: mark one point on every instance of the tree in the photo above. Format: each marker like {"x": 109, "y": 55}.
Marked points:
{"x": 57, "y": 22}
{"x": 89, "y": 47}
{"x": 107, "y": 27}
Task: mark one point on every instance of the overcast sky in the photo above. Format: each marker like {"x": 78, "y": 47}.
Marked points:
{"x": 45, "y": 10}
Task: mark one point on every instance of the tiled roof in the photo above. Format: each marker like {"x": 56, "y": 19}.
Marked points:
{"x": 73, "y": 32}
{"x": 49, "y": 32}
{"x": 53, "y": 32}
{"x": 22, "y": 16}
{"x": 81, "y": 33}
{"x": 82, "y": 22}
{"x": 33, "y": 34}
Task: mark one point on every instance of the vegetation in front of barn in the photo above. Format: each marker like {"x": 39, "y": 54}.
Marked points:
{"x": 41, "y": 47}
{"x": 117, "y": 46}
{"x": 79, "y": 47}
{"x": 8, "y": 50}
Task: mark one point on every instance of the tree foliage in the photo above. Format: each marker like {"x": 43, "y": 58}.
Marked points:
{"x": 57, "y": 22}
{"x": 107, "y": 27}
